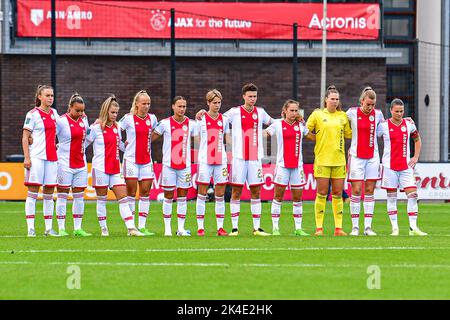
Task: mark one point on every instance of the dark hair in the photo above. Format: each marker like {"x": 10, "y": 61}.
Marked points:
{"x": 174, "y": 100}
{"x": 331, "y": 89}
{"x": 397, "y": 102}
{"x": 75, "y": 98}
{"x": 249, "y": 87}
{"x": 39, "y": 89}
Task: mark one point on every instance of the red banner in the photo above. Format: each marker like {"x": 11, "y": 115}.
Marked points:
{"x": 197, "y": 20}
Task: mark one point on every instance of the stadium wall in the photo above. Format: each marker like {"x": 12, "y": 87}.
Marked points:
{"x": 95, "y": 77}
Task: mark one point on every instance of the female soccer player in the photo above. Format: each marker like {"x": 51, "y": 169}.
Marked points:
{"x": 106, "y": 137}
{"x": 72, "y": 168}
{"x": 398, "y": 166}
{"x": 289, "y": 169}
{"x": 212, "y": 160}
{"x": 363, "y": 159}
{"x": 40, "y": 158}
{"x": 331, "y": 127}
{"x": 137, "y": 162}
{"x": 176, "y": 173}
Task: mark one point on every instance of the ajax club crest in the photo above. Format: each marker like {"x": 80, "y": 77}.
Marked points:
{"x": 158, "y": 21}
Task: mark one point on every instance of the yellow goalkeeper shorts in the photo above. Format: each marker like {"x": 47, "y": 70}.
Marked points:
{"x": 338, "y": 172}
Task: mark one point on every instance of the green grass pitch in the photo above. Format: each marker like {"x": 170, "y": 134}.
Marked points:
{"x": 211, "y": 267}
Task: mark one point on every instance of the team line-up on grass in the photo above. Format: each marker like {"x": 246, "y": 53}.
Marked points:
{"x": 64, "y": 165}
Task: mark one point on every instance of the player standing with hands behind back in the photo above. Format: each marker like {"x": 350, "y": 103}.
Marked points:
{"x": 40, "y": 158}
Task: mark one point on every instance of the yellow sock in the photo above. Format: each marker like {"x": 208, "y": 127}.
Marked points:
{"x": 338, "y": 207}
{"x": 319, "y": 208}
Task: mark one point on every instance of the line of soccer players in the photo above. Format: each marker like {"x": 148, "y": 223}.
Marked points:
{"x": 65, "y": 166}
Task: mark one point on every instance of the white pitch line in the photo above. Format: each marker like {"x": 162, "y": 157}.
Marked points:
{"x": 222, "y": 249}
{"x": 212, "y": 264}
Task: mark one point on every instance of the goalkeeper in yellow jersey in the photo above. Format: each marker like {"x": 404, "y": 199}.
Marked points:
{"x": 331, "y": 127}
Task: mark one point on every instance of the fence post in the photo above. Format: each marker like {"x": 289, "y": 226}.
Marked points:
{"x": 295, "y": 63}
{"x": 53, "y": 50}
{"x": 173, "y": 86}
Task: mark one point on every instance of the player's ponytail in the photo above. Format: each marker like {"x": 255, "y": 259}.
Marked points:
{"x": 75, "y": 98}
{"x": 103, "y": 117}
{"x": 368, "y": 92}
{"x": 133, "y": 109}
{"x": 39, "y": 90}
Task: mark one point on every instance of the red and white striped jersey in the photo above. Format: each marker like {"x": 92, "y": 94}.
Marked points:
{"x": 42, "y": 125}
{"x": 246, "y": 132}
{"x": 177, "y": 141}
{"x": 139, "y": 137}
{"x": 106, "y": 148}
{"x": 289, "y": 142}
{"x": 364, "y": 132}
{"x": 71, "y": 141}
{"x": 212, "y": 147}
{"x": 396, "y": 143}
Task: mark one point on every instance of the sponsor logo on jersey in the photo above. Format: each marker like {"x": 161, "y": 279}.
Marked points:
{"x": 71, "y": 125}
{"x": 137, "y": 123}
{"x": 43, "y": 118}
{"x": 27, "y": 121}
{"x": 403, "y": 129}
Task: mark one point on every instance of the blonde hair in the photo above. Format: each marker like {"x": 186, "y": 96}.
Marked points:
{"x": 104, "y": 110}
{"x": 75, "y": 98}
{"x": 39, "y": 90}
{"x": 133, "y": 109}
{"x": 331, "y": 89}
{"x": 368, "y": 92}
{"x": 212, "y": 94}
{"x": 286, "y": 105}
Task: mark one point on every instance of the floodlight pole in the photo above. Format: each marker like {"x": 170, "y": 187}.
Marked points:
{"x": 323, "y": 76}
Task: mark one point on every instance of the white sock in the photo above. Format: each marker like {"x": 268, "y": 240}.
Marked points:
{"x": 255, "y": 208}
{"x": 297, "y": 210}
{"x": 369, "y": 204}
{"x": 132, "y": 204}
{"x": 101, "y": 211}
{"x": 61, "y": 208}
{"x": 167, "y": 213}
{"x": 235, "y": 207}
{"x": 30, "y": 209}
{"x": 392, "y": 209}
{"x": 355, "y": 207}
{"x": 201, "y": 200}
{"x": 220, "y": 211}
{"x": 276, "y": 212}
{"x": 77, "y": 209}
{"x": 126, "y": 214}
{"x": 48, "y": 210}
{"x": 412, "y": 210}
{"x": 181, "y": 212}
{"x": 144, "y": 207}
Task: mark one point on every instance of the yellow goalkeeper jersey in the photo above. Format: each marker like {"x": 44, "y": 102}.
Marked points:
{"x": 331, "y": 130}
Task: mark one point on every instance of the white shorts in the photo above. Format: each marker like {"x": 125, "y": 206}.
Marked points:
{"x": 140, "y": 172}
{"x": 205, "y": 172}
{"x": 249, "y": 171}
{"x": 391, "y": 179}
{"x": 363, "y": 169}
{"x": 101, "y": 179}
{"x": 295, "y": 177}
{"x": 173, "y": 178}
{"x": 75, "y": 178}
{"x": 41, "y": 173}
